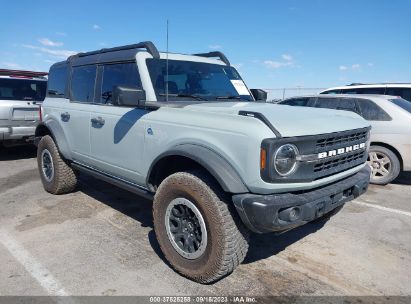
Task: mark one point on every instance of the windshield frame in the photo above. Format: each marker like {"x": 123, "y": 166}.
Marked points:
{"x": 174, "y": 98}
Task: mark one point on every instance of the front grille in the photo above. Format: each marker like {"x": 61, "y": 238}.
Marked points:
{"x": 346, "y": 139}
{"x": 339, "y": 161}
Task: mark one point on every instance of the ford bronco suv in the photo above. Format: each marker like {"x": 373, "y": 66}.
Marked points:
{"x": 19, "y": 114}
{"x": 186, "y": 132}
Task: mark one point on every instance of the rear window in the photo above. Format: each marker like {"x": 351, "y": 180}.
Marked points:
{"x": 22, "y": 89}
{"x": 57, "y": 81}
{"x": 406, "y": 105}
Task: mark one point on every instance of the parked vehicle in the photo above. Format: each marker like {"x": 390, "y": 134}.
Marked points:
{"x": 390, "y": 118}
{"x": 19, "y": 93}
{"x": 185, "y": 131}
{"x": 395, "y": 89}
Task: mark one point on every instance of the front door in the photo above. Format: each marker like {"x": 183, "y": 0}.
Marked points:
{"x": 117, "y": 133}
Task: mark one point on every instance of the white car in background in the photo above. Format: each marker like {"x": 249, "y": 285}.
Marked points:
{"x": 395, "y": 89}
{"x": 20, "y": 91}
{"x": 390, "y": 118}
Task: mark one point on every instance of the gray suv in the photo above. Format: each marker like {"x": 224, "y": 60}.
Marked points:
{"x": 20, "y": 91}
{"x": 186, "y": 132}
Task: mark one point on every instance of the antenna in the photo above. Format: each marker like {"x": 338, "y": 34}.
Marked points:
{"x": 167, "y": 66}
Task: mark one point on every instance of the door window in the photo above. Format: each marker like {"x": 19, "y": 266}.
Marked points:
{"x": 302, "y": 102}
{"x": 120, "y": 74}
{"x": 57, "y": 80}
{"x": 370, "y": 111}
{"x": 83, "y": 83}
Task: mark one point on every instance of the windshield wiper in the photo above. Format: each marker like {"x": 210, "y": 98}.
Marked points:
{"x": 231, "y": 97}
{"x": 184, "y": 95}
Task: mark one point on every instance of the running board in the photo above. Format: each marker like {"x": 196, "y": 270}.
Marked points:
{"x": 114, "y": 181}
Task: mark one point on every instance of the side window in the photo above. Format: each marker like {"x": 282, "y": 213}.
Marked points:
{"x": 302, "y": 102}
{"x": 371, "y": 111}
{"x": 378, "y": 91}
{"x": 83, "y": 83}
{"x": 120, "y": 74}
{"x": 328, "y": 103}
{"x": 347, "y": 104}
{"x": 403, "y": 92}
{"x": 332, "y": 92}
{"x": 57, "y": 80}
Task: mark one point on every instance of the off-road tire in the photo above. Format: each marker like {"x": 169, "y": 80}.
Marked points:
{"x": 227, "y": 237}
{"x": 64, "y": 179}
{"x": 395, "y": 165}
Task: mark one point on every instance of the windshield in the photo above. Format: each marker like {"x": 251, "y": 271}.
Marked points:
{"x": 22, "y": 89}
{"x": 196, "y": 81}
{"x": 406, "y": 105}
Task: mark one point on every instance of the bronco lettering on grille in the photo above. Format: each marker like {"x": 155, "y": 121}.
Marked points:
{"x": 341, "y": 150}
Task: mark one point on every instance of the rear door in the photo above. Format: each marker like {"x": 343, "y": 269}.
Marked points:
{"x": 75, "y": 115}
{"x": 117, "y": 133}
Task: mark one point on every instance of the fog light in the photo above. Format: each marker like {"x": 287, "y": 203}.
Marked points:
{"x": 290, "y": 215}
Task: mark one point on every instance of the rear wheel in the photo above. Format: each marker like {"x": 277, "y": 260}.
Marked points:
{"x": 385, "y": 165}
{"x": 56, "y": 174}
{"x": 198, "y": 234}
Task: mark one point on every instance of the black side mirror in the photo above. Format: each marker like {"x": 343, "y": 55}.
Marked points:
{"x": 128, "y": 97}
{"x": 259, "y": 94}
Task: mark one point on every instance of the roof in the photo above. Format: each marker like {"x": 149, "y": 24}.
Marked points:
{"x": 23, "y": 74}
{"x": 358, "y": 96}
{"x": 371, "y": 85}
{"x": 127, "y": 53}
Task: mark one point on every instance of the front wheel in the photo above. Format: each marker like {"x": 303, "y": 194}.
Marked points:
{"x": 198, "y": 234}
{"x": 385, "y": 165}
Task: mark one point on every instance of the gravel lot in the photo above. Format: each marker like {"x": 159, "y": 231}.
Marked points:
{"x": 100, "y": 241}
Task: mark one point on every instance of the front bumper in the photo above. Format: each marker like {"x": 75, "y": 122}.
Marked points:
{"x": 281, "y": 212}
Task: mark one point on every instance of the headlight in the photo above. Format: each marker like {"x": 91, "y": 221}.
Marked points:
{"x": 285, "y": 159}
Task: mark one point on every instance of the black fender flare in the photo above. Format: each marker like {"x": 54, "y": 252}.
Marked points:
{"x": 58, "y": 135}
{"x": 216, "y": 165}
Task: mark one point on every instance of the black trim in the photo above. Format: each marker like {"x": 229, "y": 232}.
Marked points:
{"x": 220, "y": 55}
{"x": 311, "y": 145}
{"x": 263, "y": 119}
{"x": 267, "y": 213}
{"x": 216, "y": 165}
{"x": 126, "y": 185}
{"x": 148, "y": 45}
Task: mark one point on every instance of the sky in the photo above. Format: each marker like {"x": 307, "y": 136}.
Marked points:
{"x": 273, "y": 44}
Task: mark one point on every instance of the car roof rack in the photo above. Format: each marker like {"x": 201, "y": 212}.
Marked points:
{"x": 220, "y": 55}
{"x": 20, "y": 73}
{"x": 148, "y": 45}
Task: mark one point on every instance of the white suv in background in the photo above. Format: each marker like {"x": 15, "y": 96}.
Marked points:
{"x": 395, "y": 89}
{"x": 19, "y": 113}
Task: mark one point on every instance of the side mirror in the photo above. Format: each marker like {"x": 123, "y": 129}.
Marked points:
{"x": 259, "y": 94}
{"x": 128, "y": 97}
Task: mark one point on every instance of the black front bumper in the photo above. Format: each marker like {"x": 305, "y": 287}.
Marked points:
{"x": 280, "y": 212}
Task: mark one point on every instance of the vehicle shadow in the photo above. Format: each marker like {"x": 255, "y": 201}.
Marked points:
{"x": 403, "y": 179}
{"x": 17, "y": 152}
{"x": 261, "y": 245}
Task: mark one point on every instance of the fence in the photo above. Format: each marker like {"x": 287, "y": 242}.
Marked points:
{"x": 281, "y": 93}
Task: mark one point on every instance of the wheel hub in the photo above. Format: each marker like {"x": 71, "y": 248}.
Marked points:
{"x": 186, "y": 228}
{"x": 380, "y": 164}
{"x": 47, "y": 165}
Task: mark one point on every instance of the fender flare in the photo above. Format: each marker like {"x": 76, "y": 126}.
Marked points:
{"x": 58, "y": 135}
{"x": 216, "y": 165}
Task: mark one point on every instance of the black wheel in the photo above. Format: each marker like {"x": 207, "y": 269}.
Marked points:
{"x": 199, "y": 234}
{"x": 56, "y": 175}
{"x": 385, "y": 165}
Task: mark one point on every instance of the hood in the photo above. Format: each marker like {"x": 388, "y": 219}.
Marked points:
{"x": 289, "y": 120}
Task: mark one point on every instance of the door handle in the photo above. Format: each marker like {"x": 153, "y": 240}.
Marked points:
{"x": 98, "y": 121}
{"x": 65, "y": 116}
